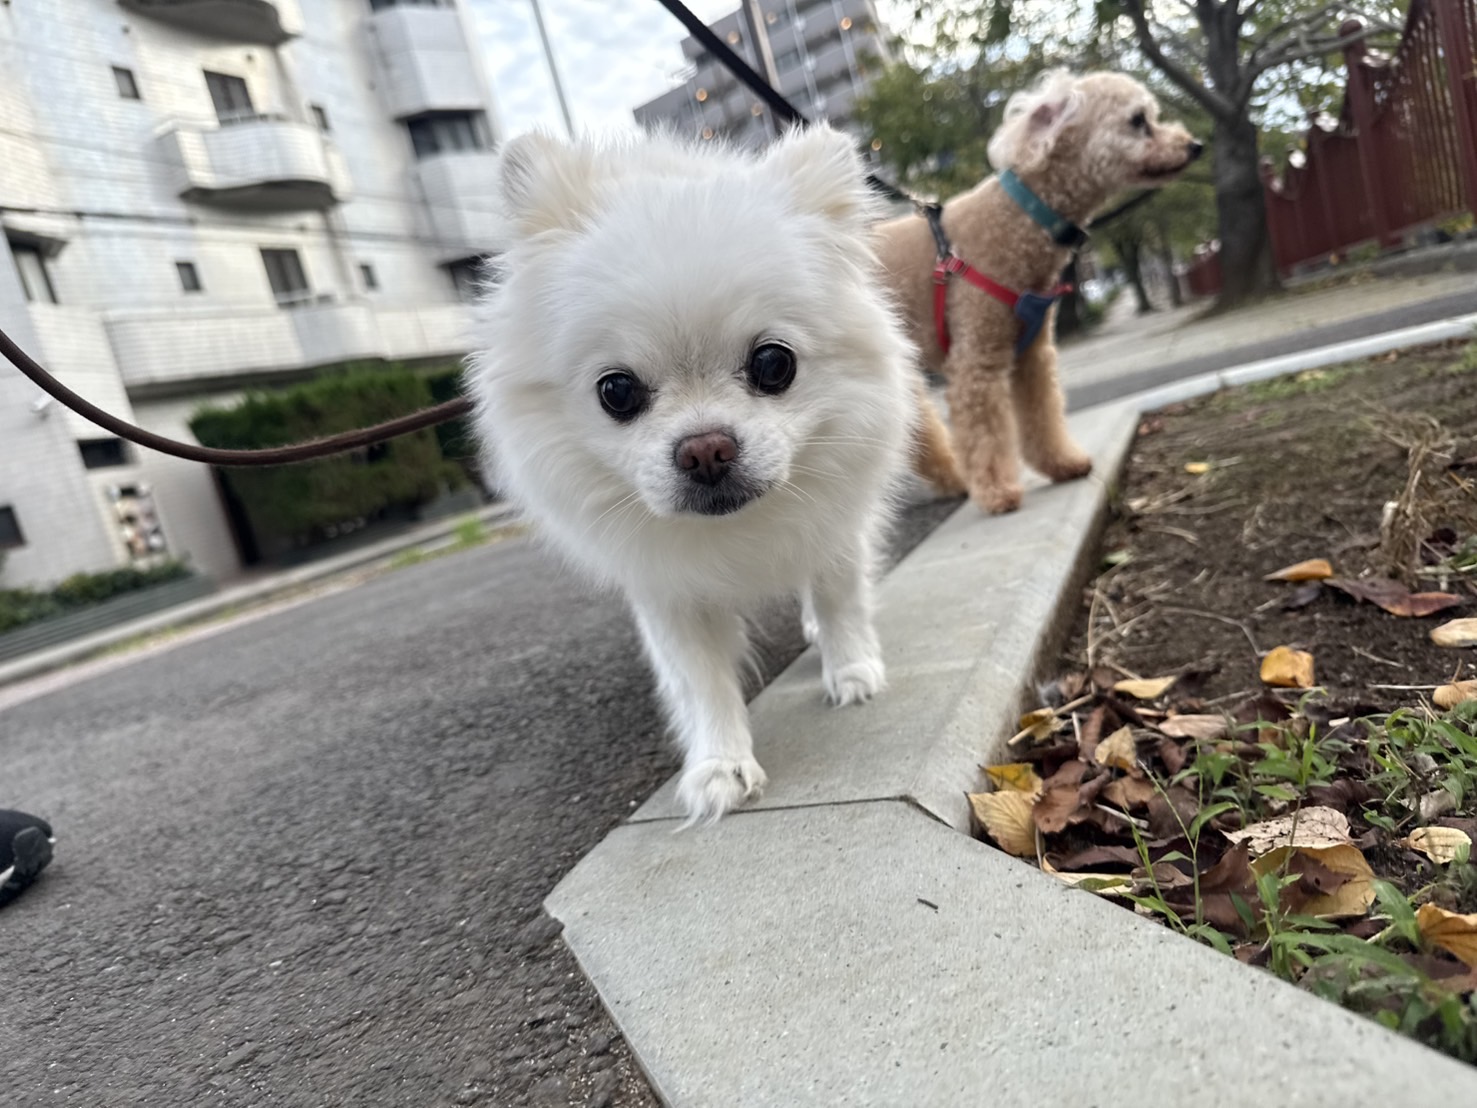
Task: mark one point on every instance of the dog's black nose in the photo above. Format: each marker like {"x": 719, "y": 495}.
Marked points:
{"x": 1196, "y": 149}
{"x": 706, "y": 457}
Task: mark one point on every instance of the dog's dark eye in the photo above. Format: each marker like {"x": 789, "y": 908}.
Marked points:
{"x": 622, "y": 396}
{"x": 771, "y": 368}
{"x": 1139, "y": 122}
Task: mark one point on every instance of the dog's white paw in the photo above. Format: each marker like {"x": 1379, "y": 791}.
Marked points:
{"x": 713, "y": 786}
{"x": 855, "y": 683}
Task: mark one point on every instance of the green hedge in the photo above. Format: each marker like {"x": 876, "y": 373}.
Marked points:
{"x": 294, "y": 505}
{"x": 22, "y": 606}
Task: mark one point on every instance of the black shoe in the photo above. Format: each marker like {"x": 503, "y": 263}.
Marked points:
{"x": 25, "y": 848}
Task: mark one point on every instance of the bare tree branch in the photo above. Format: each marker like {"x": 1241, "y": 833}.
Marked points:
{"x": 1211, "y": 100}
{"x": 1300, "y": 49}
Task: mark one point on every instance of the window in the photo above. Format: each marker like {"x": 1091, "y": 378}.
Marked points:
{"x": 320, "y": 117}
{"x": 102, "y": 453}
{"x": 231, "y": 97}
{"x": 35, "y": 281}
{"x": 189, "y": 276}
{"x": 444, "y": 132}
{"x": 10, "y": 529}
{"x": 381, "y": 5}
{"x": 366, "y": 271}
{"x": 285, "y": 272}
{"x": 127, "y": 86}
{"x": 787, "y": 60}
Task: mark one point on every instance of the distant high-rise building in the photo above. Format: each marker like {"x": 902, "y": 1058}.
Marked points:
{"x": 826, "y": 53}
{"x": 202, "y": 196}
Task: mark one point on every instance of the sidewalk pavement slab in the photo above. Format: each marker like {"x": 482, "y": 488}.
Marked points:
{"x": 788, "y": 958}
{"x": 793, "y": 954}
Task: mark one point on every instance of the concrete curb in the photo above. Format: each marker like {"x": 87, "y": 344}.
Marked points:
{"x": 841, "y": 942}
{"x": 255, "y": 592}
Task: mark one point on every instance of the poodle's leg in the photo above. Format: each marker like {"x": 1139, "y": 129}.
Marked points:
{"x": 933, "y": 450}
{"x": 983, "y": 416}
{"x": 1040, "y": 409}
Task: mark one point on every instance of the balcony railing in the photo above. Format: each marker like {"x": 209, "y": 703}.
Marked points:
{"x": 256, "y": 162}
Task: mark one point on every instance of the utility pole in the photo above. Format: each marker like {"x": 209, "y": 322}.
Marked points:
{"x": 759, "y": 36}
{"x": 543, "y": 34}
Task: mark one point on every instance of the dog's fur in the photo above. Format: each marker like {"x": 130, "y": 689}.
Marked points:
{"x": 674, "y": 264}
{"x": 1074, "y": 141}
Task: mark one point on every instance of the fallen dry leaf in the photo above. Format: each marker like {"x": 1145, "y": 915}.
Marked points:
{"x": 1302, "y": 596}
{"x": 1229, "y": 878}
{"x": 1062, "y": 801}
{"x": 1197, "y": 469}
{"x": 1316, "y": 827}
{"x": 1450, "y": 931}
{"x": 1039, "y": 725}
{"x": 1352, "y": 891}
{"x": 1006, "y": 818}
{"x": 1129, "y": 793}
{"x": 1172, "y": 811}
{"x": 1449, "y": 696}
{"x": 1440, "y": 844}
{"x": 1314, "y": 569}
{"x": 1207, "y": 728}
{"x": 1394, "y": 597}
{"x": 1104, "y": 884}
{"x": 1286, "y": 668}
{"x": 1117, "y": 750}
{"x": 1459, "y": 632}
{"x": 1018, "y": 777}
{"x": 1096, "y": 856}
{"x": 1151, "y": 688}
{"x": 1172, "y": 754}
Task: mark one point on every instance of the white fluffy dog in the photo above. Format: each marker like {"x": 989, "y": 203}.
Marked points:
{"x": 690, "y": 378}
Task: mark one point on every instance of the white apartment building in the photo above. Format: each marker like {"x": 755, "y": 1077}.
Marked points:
{"x": 198, "y": 196}
{"x": 826, "y": 53}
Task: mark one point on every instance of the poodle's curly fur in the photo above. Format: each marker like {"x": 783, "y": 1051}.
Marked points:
{"x": 1075, "y": 141}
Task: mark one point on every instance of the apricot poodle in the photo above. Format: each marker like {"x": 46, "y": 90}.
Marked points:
{"x": 1063, "y": 150}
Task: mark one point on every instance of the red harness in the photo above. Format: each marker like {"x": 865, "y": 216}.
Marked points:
{"x": 1029, "y": 307}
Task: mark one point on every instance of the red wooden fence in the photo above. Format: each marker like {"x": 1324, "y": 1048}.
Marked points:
{"x": 1401, "y": 154}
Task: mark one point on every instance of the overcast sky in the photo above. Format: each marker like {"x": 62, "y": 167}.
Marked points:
{"x": 612, "y": 54}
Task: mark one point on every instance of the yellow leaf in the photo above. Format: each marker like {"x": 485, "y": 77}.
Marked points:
{"x": 1353, "y": 898}
{"x": 1006, "y": 818}
{"x": 1459, "y": 632}
{"x": 1104, "y": 884}
{"x": 1151, "y": 689}
{"x": 1039, "y": 725}
{"x": 1197, "y": 469}
{"x": 1117, "y": 750}
{"x": 1449, "y": 696}
{"x": 1450, "y": 931}
{"x": 1018, "y": 777}
{"x": 1287, "y": 668}
{"x": 1440, "y": 844}
{"x": 1316, "y": 827}
{"x": 1314, "y": 569}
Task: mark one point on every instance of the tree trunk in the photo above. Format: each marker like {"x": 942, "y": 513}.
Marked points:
{"x": 1166, "y": 257}
{"x": 1069, "y": 307}
{"x": 1129, "y": 249}
{"x": 1248, "y": 270}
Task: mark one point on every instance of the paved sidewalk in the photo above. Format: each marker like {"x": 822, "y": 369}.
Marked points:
{"x": 1130, "y": 353}
{"x": 256, "y": 590}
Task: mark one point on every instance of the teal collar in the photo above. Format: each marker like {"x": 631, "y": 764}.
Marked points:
{"x": 1062, "y": 230}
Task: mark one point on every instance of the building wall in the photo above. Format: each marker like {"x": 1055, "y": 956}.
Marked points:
{"x": 826, "y": 52}
{"x": 124, "y": 332}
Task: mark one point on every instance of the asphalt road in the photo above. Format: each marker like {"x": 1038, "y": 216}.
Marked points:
{"x": 300, "y": 862}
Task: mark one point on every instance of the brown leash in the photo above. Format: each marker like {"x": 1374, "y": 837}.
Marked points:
{"x": 271, "y": 456}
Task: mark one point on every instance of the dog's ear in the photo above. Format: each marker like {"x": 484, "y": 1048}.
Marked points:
{"x": 1034, "y": 121}
{"x": 825, "y": 174}
{"x": 547, "y": 184}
